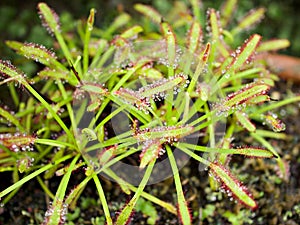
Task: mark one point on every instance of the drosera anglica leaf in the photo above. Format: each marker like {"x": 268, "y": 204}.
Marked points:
{"x": 214, "y": 24}
{"x": 107, "y": 154}
{"x": 89, "y": 134}
{"x": 167, "y": 134}
{"x": 196, "y": 6}
{"x": 121, "y": 20}
{"x": 253, "y": 17}
{"x": 170, "y": 38}
{"x": 37, "y": 52}
{"x": 255, "y": 152}
{"x": 74, "y": 194}
{"x": 199, "y": 69}
{"x": 132, "y": 32}
{"x": 273, "y": 45}
{"x": 239, "y": 99}
{"x": 49, "y": 18}
{"x": 17, "y": 142}
{"x": 244, "y": 120}
{"x": 151, "y": 150}
{"x": 158, "y": 89}
{"x": 54, "y": 74}
{"x": 245, "y": 151}
{"x": 24, "y": 163}
{"x": 132, "y": 97}
{"x": 234, "y": 188}
{"x": 195, "y": 37}
{"x": 242, "y": 55}
{"x": 94, "y": 88}
{"x": 9, "y": 70}
{"x": 215, "y": 32}
{"x": 226, "y": 11}
{"x": 41, "y": 54}
{"x": 149, "y": 12}
{"x": 276, "y": 124}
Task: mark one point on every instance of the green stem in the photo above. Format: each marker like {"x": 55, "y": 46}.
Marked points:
{"x": 45, "y": 188}
{"x": 126, "y": 212}
{"x": 31, "y": 176}
{"x": 50, "y": 109}
{"x": 13, "y": 94}
{"x": 275, "y": 105}
{"x": 103, "y": 200}
{"x": 182, "y": 204}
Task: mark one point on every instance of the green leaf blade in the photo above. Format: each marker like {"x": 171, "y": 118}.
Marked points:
{"x": 234, "y": 187}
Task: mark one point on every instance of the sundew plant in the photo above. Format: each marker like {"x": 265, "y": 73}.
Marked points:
{"x": 134, "y": 103}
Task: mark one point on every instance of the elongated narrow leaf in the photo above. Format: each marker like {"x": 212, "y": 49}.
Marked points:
{"x": 50, "y": 19}
{"x": 75, "y": 193}
{"x": 276, "y": 124}
{"x": 158, "y": 90}
{"x": 54, "y": 74}
{"x": 17, "y": 141}
{"x": 240, "y": 99}
{"x": 39, "y": 53}
{"x": 273, "y": 45}
{"x": 133, "y": 97}
{"x": 252, "y": 18}
{"x": 94, "y": 88}
{"x": 151, "y": 150}
{"x": 199, "y": 69}
{"x": 244, "y": 120}
{"x": 196, "y": 6}
{"x": 232, "y": 186}
{"x": 170, "y": 37}
{"x": 242, "y": 55}
{"x": 9, "y": 70}
{"x": 127, "y": 211}
{"x": 149, "y": 12}
{"x": 165, "y": 133}
{"x": 226, "y": 11}
{"x": 118, "y": 22}
{"x": 254, "y": 152}
{"x": 10, "y": 116}
{"x": 214, "y": 24}
{"x": 132, "y": 32}
{"x": 195, "y": 37}
{"x": 107, "y": 154}
{"x": 215, "y": 32}
{"x": 246, "y": 151}
{"x": 183, "y": 210}
{"x": 56, "y": 213}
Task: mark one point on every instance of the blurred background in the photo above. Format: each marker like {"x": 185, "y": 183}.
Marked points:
{"x": 19, "y": 19}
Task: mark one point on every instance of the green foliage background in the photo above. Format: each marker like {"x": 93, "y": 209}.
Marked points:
{"x": 19, "y": 20}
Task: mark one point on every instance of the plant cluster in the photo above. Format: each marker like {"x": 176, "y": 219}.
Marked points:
{"x": 157, "y": 93}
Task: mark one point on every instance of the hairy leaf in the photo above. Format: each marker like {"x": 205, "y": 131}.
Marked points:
{"x": 149, "y": 12}
{"x": 232, "y": 186}
{"x": 50, "y": 19}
